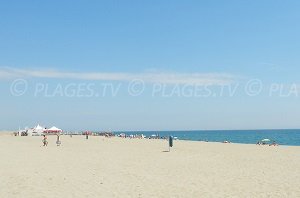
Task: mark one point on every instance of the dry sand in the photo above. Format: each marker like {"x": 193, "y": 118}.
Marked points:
{"x": 115, "y": 167}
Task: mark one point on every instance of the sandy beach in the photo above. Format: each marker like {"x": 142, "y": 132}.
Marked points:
{"x": 116, "y": 167}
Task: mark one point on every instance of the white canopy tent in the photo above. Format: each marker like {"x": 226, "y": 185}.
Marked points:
{"x": 37, "y": 130}
{"x": 54, "y": 130}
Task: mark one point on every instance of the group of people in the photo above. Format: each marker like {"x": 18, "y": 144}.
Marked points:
{"x": 265, "y": 143}
{"x": 45, "y": 140}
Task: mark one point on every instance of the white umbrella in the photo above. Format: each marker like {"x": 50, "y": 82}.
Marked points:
{"x": 266, "y": 140}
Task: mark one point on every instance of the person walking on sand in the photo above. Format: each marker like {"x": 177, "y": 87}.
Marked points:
{"x": 58, "y": 142}
{"x": 45, "y": 142}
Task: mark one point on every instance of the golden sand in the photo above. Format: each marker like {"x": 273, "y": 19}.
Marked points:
{"x": 115, "y": 167}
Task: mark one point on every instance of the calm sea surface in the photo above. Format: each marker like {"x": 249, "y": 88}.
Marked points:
{"x": 282, "y": 137}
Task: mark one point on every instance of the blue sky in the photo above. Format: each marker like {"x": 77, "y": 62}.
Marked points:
{"x": 174, "y": 43}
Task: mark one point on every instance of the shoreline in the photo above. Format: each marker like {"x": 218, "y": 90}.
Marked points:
{"x": 10, "y": 133}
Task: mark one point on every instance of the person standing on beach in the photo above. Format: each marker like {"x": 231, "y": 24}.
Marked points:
{"x": 45, "y": 142}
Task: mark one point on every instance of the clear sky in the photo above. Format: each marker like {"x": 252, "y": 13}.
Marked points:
{"x": 156, "y": 55}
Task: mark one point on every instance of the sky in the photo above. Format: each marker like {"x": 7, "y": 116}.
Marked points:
{"x": 150, "y": 65}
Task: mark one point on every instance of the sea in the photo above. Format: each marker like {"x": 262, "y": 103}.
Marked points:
{"x": 290, "y": 137}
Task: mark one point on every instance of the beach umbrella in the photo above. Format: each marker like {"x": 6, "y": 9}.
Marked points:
{"x": 170, "y": 142}
{"x": 266, "y": 140}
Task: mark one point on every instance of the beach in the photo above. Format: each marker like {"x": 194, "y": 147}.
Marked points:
{"x": 117, "y": 167}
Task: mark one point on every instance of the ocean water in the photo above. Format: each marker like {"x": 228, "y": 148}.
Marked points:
{"x": 282, "y": 137}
